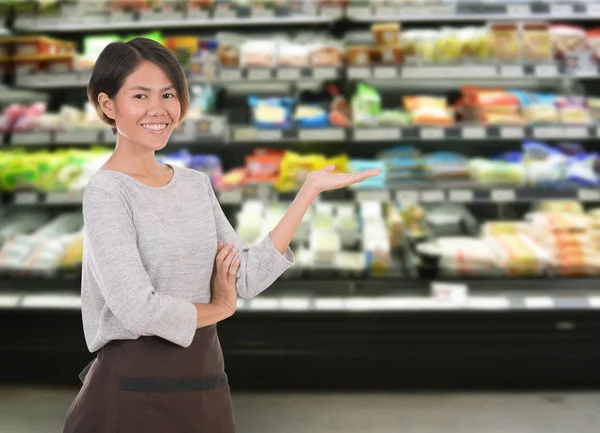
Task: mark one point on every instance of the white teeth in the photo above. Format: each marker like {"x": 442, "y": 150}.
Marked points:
{"x": 155, "y": 126}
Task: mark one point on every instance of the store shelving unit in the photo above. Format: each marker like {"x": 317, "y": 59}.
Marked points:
{"x": 376, "y": 332}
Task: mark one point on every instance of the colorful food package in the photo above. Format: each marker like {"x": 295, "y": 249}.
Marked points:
{"x": 491, "y": 106}
{"x": 263, "y": 165}
{"x": 428, "y": 110}
{"x": 258, "y": 53}
{"x": 567, "y": 39}
{"x": 386, "y": 34}
{"x": 537, "y": 46}
{"x": 573, "y": 110}
{"x": 488, "y": 172}
{"x": 418, "y": 46}
{"x": 294, "y": 168}
{"x": 538, "y": 107}
{"x": 594, "y": 107}
{"x": 293, "y": 54}
{"x": 593, "y": 39}
{"x": 521, "y": 255}
{"x": 310, "y": 116}
{"x": 544, "y": 164}
{"x": 326, "y": 53}
{"x": 270, "y": 112}
{"x": 506, "y": 42}
{"x": 448, "y": 46}
{"x": 365, "y": 105}
{"x": 476, "y": 44}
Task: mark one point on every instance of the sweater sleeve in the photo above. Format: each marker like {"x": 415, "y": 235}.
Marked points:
{"x": 111, "y": 247}
{"x": 260, "y": 265}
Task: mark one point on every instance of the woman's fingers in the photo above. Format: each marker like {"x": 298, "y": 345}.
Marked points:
{"x": 222, "y": 254}
{"x": 234, "y": 270}
{"x": 228, "y": 260}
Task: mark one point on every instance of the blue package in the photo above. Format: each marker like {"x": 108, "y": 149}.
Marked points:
{"x": 270, "y": 112}
{"x": 376, "y": 182}
{"x": 581, "y": 170}
{"x": 319, "y": 119}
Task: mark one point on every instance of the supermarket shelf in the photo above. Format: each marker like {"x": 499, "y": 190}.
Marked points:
{"x": 152, "y": 20}
{"x": 467, "y": 11}
{"x": 565, "y": 299}
{"x": 240, "y": 134}
{"x": 282, "y": 74}
{"x": 292, "y": 74}
{"x": 430, "y": 193}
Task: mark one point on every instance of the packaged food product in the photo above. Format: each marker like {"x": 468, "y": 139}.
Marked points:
{"x": 359, "y": 55}
{"x": 270, "y": 112}
{"x": 326, "y": 53}
{"x": 488, "y": 172}
{"x": 594, "y": 107}
{"x": 506, "y": 42}
{"x": 448, "y": 46}
{"x": 386, "y": 33}
{"x": 258, "y": 53}
{"x": 476, "y": 44}
{"x": 263, "y": 165}
{"x": 294, "y": 168}
{"x": 310, "y": 116}
{"x": 573, "y": 110}
{"x": 537, "y": 46}
{"x": 538, "y": 107}
{"x": 391, "y": 54}
{"x": 593, "y": 39}
{"x": 428, "y": 110}
{"x": 544, "y": 164}
{"x": 365, "y": 105}
{"x": 567, "y": 39}
{"x": 293, "y": 54}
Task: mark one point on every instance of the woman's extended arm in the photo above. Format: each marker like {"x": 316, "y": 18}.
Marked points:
{"x": 262, "y": 264}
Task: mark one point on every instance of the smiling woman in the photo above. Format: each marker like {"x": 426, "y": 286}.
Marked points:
{"x": 139, "y": 89}
{"x": 162, "y": 265}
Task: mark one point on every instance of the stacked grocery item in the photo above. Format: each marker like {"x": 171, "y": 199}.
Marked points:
{"x": 17, "y": 118}
{"x": 33, "y": 241}
{"x": 558, "y": 238}
{"x": 34, "y": 54}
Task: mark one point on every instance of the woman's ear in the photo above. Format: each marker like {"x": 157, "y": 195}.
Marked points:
{"x": 106, "y": 105}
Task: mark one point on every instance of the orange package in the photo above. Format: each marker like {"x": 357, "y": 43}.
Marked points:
{"x": 263, "y": 165}
{"x": 429, "y": 110}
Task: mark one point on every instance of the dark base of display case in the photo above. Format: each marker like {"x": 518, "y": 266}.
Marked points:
{"x": 348, "y": 351}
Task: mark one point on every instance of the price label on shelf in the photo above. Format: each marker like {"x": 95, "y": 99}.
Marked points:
{"x": 259, "y": 74}
{"x": 594, "y": 301}
{"x": 433, "y": 196}
{"x": 576, "y": 132}
{"x": 518, "y": 10}
{"x": 588, "y": 194}
{"x": 512, "y": 71}
{"x": 359, "y": 72}
{"x": 230, "y": 74}
{"x": 330, "y": 134}
{"x": 488, "y": 303}
{"x": 289, "y": 73}
{"x": 432, "y": 133}
{"x": 546, "y": 71}
{"x": 52, "y": 301}
{"x": 65, "y": 197}
{"x": 546, "y": 132}
{"x": 593, "y": 9}
{"x": 265, "y": 304}
{"x": 358, "y": 11}
{"x": 406, "y": 197}
{"x": 539, "y": 302}
{"x": 378, "y": 195}
{"x": 385, "y": 72}
{"x": 561, "y": 11}
{"x": 331, "y": 12}
{"x": 385, "y": 11}
{"x": 359, "y": 304}
{"x": 477, "y": 71}
{"x": 295, "y": 304}
{"x": 9, "y": 301}
{"x": 503, "y": 195}
{"x": 329, "y": 304}
{"x": 325, "y": 73}
{"x": 473, "y": 132}
{"x": 262, "y": 12}
{"x": 512, "y": 132}
{"x": 247, "y": 134}
{"x": 231, "y": 196}
{"x": 377, "y": 134}
{"x": 461, "y": 195}
{"x": 26, "y": 198}
{"x": 454, "y": 293}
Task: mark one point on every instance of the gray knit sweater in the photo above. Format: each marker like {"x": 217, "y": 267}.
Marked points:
{"x": 149, "y": 254}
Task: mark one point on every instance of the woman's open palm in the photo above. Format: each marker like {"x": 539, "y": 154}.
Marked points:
{"x": 324, "y": 179}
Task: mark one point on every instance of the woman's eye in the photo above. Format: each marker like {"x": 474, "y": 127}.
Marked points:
{"x": 168, "y": 95}
{"x": 140, "y": 96}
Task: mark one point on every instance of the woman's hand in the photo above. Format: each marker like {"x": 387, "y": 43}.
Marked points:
{"x": 324, "y": 179}
{"x": 224, "y": 277}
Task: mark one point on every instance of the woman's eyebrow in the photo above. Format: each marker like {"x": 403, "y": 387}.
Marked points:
{"x": 146, "y": 89}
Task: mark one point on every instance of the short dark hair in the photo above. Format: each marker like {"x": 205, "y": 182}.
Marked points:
{"x": 119, "y": 59}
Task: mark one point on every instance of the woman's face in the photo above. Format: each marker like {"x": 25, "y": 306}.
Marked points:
{"x": 146, "y": 109}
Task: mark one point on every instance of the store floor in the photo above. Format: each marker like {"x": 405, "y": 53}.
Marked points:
{"x": 27, "y": 410}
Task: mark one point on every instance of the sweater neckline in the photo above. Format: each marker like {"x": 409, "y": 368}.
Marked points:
{"x": 145, "y": 185}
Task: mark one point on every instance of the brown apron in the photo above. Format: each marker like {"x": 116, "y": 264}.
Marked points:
{"x": 151, "y": 385}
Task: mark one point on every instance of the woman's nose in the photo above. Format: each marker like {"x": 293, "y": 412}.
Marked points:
{"x": 156, "y": 107}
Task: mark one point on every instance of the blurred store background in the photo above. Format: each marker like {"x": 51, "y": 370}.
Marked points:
{"x": 472, "y": 263}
